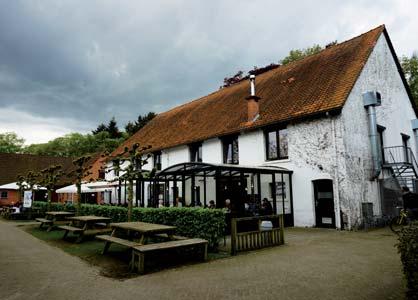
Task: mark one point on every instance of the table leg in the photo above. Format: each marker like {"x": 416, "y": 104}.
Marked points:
{"x": 51, "y": 225}
{"x": 141, "y": 263}
{"x": 107, "y": 244}
{"x": 142, "y": 239}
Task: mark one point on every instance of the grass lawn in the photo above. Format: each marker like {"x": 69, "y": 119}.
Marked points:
{"x": 116, "y": 261}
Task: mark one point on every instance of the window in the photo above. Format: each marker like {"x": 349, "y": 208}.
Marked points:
{"x": 380, "y": 132}
{"x": 405, "y": 144}
{"x": 3, "y": 195}
{"x": 102, "y": 174}
{"x": 138, "y": 164}
{"x": 195, "y": 152}
{"x": 276, "y": 144}
{"x": 157, "y": 160}
{"x": 116, "y": 167}
{"x": 230, "y": 150}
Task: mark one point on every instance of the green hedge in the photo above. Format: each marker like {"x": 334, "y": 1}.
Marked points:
{"x": 408, "y": 248}
{"x": 204, "y": 223}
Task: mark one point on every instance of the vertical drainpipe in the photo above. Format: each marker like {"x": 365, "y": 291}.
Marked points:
{"x": 336, "y": 176}
{"x": 414, "y": 124}
{"x": 370, "y": 101}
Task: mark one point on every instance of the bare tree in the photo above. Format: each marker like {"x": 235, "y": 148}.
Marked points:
{"x": 49, "y": 179}
{"x": 135, "y": 158}
{"x": 82, "y": 169}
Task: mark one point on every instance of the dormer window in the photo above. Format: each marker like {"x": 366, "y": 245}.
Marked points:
{"x": 157, "y": 160}
{"x": 276, "y": 144}
{"x": 230, "y": 150}
{"x": 196, "y": 152}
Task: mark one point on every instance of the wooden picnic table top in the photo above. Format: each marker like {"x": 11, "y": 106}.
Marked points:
{"x": 90, "y": 219}
{"x": 59, "y": 213}
{"x": 144, "y": 227}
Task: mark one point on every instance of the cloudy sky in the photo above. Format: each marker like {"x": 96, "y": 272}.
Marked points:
{"x": 66, "y": 66}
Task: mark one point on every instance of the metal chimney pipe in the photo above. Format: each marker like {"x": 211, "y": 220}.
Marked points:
{"x": 253, "y": 108}
{"x": 370, "y": 101}
{"x": 252, "y": 85}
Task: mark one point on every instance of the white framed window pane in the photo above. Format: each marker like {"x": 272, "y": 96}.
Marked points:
{"x": 272, "y": 145}
{"x": 283, "y": 140}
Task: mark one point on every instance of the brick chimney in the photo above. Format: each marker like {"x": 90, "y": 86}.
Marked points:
{"x": 253, "y": 108}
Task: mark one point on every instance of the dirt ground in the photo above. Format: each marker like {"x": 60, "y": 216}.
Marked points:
{"x": 314, "y": 264}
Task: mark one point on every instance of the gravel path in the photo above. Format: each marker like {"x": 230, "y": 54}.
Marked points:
{"x": 314, "y": 264}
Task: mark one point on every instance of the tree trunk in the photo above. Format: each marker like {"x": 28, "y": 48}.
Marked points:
{"x": 49, "y": 200}
{"x": 130, "y": 198}
{"x": 78, "y": 199}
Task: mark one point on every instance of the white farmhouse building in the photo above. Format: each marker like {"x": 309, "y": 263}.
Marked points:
{"x": 327, "y": 139}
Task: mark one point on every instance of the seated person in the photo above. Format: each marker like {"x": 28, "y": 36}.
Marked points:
{"x": 211, "y": 204}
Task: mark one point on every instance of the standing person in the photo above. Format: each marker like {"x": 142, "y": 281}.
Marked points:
{"x": 228, "y": 205}
{"x": 160, "y": 203}
{"x": 410, "y": 201}
{"x": 266, "y": 208}
{"x": 178, "y": 202}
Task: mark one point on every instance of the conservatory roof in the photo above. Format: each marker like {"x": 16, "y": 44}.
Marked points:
{"x": 211, "y": 170}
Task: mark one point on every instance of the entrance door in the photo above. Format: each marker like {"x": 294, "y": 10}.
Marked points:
{"x": 324, "y": 203}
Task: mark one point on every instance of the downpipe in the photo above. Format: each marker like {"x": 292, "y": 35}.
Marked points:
{"x": 371, "y": 100}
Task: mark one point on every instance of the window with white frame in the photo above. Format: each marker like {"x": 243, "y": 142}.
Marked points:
{"x": 276, "y": 144}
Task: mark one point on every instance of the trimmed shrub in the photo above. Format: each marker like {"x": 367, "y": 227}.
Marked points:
{"x": 408, "y": 248}
{"x": 208, "y": 224}
{"x": 43, "y": 206}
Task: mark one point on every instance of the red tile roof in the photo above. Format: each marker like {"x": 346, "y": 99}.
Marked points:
{"x": 316, "y": 84}
{"x": 12, "y": 165}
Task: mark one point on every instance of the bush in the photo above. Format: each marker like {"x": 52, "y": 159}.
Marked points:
{"x": 198, "y": 222}
{"x": 43, "y": 206}
{"x": 408, "y": 248}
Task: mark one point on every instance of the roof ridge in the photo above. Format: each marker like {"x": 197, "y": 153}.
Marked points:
{"x": 329, "y": 48}
{"x": 37, "y": 155}
{"x": 280, "y": 67}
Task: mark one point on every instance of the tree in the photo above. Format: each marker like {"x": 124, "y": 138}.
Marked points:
{"x": 49, "y": 179}
{"x": 76, "y": 145}
{"x": 101, "y": 128}
{"x": 136, "y": 158}
{"x": 132, "y": 127}
{"x": 234, "y": 79}
{"x": 10, "y": 143}
{"x": 410, "y": 67}
{"x": 113, "y": 130}
{"x": 82, "y": 169}
{"x": 297, "y": 54}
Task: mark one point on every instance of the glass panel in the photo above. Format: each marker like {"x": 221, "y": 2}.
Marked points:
{"x": 229, "y": 154}
{"x": 199, "y": 153}
{"x": 272, "y": 145}
{"x": 235, "y": 158}
{"x": 283, "y": 143}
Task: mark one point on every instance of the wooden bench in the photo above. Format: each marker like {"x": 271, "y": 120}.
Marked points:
{"x": 138, "y": 253}
{"x": 111, "y": 239}
{"x": 43, "y": 221}
{"x": 173, "y": 237}
{"x": 72, "y": 229}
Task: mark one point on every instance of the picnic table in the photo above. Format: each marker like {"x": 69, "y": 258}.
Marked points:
{"x": 142, "y": 231}
{"x": 86, "y": 225}
{"x": 53, "y": 218}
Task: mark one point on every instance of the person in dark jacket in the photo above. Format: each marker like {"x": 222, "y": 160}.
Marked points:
{"x": 266, "y": 208}
{"x": 410, "y": 201}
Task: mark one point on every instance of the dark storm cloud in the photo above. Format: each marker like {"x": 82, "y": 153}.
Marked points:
{"x": 86, "y": 61}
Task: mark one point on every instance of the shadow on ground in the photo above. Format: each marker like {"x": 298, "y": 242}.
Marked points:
{"x": 115, "y": 263}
